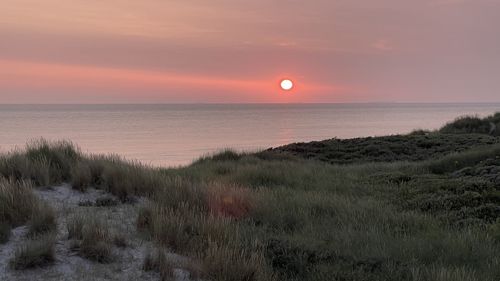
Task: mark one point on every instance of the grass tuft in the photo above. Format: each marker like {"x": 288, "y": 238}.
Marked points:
{"x": 37, "y": 252}
{"x": 43, "y": 220}
{"x": 157, "y": 261}
{"x": 17, "y": 202}
{"x": 92, "y": 237}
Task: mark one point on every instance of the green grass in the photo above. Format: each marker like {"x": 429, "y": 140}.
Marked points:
{"x": 425, "y": 210}
{"x": 412, "y": 147}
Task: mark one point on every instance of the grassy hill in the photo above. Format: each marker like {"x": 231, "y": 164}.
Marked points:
{"x": 423, "y": 206}
{"x": 461, "y": 134}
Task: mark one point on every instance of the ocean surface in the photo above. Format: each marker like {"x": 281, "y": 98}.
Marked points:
{"x": 172, "y": 135}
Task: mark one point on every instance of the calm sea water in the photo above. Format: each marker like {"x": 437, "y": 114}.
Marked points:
{"x": 170, "y": 135}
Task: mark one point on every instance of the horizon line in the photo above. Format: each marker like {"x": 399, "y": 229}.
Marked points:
{"x": 257, "y": 103}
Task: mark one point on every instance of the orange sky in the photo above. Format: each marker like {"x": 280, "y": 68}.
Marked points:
{"x": 149, "y": 51}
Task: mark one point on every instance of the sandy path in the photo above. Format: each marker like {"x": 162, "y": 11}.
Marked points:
{"x": 69, "y": 266}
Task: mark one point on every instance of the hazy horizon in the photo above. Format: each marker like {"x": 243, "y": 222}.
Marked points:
{"x": 271, "y": 103}
{"x": 176, "y": 134}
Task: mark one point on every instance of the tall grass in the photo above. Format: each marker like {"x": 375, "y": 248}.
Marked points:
{"x": 276, "y": 217}
{"x": 17, "y": 202}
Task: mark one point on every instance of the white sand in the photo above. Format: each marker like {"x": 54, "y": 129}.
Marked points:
{"x": 68, "y": 265}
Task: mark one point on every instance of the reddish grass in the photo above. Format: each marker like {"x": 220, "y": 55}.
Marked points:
{"x": 229, "y": 201}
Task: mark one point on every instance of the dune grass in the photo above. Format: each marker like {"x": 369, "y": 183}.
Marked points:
{"x": 272, "y": 216}
{"x": 474, "y": 124}
{"x": 157, "y": 261}
{"x": 92, "y": 238}
{"x": 17, "y": 202}
{"x": 43, "y": 220}
{"x": 36, "y": 252}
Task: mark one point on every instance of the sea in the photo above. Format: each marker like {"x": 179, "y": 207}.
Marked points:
{"x": 172, "y": 135}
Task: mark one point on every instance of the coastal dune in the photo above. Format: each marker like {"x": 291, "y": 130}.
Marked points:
{"x": 421, "y": 206}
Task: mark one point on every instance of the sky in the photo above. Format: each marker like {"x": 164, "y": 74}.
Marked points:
{"x": 237, "y": 51}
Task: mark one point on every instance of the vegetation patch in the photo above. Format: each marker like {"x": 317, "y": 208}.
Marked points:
{"x": 473, "y": 124}
{"x": 274, "y": 215}
{"x": 157, "y": 261}
{"x": 43, "y": 220}
{"x": 37, "y": 252}
{"x": 4, "y": 232}
{"x": 92, "y": 238}
{"x": 412, "y": 147}
{"x": 17, "y": 202}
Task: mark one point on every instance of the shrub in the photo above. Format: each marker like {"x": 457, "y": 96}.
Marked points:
{"x": 37, "y": 252}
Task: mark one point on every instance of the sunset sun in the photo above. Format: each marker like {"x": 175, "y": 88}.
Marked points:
{"x": 286, "y": 84}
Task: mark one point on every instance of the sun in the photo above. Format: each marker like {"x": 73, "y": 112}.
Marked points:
{"x": 286, "y": 84}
